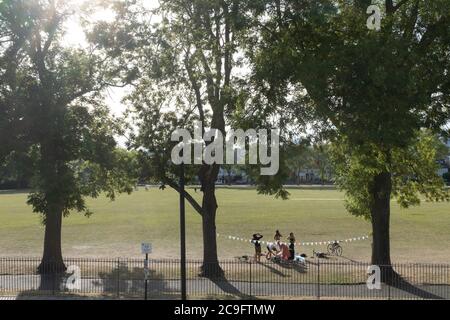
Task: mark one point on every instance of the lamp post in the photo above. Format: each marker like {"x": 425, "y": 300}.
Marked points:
{"x": 182, "y": 234}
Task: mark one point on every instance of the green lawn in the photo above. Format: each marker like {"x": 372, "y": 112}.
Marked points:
{"x": 117, "y": 228}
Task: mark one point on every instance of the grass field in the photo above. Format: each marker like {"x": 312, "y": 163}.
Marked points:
{"x": 420, "y": 234}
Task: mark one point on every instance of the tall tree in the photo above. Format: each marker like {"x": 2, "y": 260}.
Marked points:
{"x": 371, "y": 90}
{"x": 299, "y": 159}
{"x": 187, "y": 60}
{"x": 184, "y": 57}
{"x": 70, "y": 129}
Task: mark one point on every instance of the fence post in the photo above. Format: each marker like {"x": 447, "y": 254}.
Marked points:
{"x": 389, "y": 291}
{"x": 146, "y": 268}
{"x": 118, "y": 277}
{"x": 53, "y": 282}
{"x": 54, "y": 277}
{"x": 250, "y": 293}
{"x": 318, "y": 278}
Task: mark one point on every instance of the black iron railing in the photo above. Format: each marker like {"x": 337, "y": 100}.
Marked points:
{"x": 317, "y": 279}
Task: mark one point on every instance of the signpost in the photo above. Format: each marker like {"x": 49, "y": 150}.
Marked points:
{"x": 146, "y": 248}
{"x": 182, "y": 235}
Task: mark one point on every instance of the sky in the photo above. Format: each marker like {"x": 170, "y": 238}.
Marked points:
{"x": 75, "y": 37}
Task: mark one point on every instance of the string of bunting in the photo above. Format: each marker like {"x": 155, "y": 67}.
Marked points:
{"x": 311, "y": 243}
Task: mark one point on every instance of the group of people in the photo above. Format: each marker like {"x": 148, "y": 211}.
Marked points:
{"x": 276, "y": 248}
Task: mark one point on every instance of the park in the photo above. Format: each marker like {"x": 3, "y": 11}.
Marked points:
{"x": 117, "y": 228}
{"x": 314, "y": 214}
{"x": 105, "y": 195}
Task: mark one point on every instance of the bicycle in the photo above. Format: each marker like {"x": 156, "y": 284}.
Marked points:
{"x": 334, "y": 249}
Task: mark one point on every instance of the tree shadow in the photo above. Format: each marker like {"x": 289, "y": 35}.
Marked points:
{"x": 351, "y": 260}
{"x": 125, "y": 282}
{"x": 230, "y": 289}
{"x": 273, "y": 270}
{"x": 121, "y": 282}
{"x": 49, "y": 286}
{"x": 397, "y": 281}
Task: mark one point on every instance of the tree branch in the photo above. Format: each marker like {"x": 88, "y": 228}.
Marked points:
{"x": 209, "y": 79}
{"x": 228, "y": 44}
{"x": 187, "y": 196}
{"x": 409, "y": 30}
{"x": 196, "y": 87}
{"x": 399, "y": 4}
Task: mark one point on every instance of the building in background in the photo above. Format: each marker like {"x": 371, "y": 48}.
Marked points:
{"x": 444, "y": 170}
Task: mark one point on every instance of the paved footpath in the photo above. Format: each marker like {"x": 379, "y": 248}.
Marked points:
{"x": 206, "y": 287}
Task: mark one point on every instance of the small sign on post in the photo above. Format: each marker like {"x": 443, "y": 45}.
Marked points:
{"x": 146, "y": 248}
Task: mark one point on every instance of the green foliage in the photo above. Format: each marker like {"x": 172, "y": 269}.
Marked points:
{"x": 90, "y": 163}
{"x": 301, "y": 156}
{"x": 370, "y": 92}
{"x": 189, "y": 68}
{"x": 413, "y": 169}
{"x": 446, "y": 177}
{"x": 16, "y": 171}
{"x": 54, "y": 93}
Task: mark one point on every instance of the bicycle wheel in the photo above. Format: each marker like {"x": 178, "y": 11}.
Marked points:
{"x": 330, "y": 248}
{"x": 338, "y": 251}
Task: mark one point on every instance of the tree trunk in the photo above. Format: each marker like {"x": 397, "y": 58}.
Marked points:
{"x": 380, "y": 218}
{"x": 210, "y": 267}
{"x": 208, "y": 176}
{"x": 52, "y": 261}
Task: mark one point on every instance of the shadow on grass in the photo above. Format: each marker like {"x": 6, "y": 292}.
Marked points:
{"x": 350, "y": 260}
{"x": 291, "y": 265}
{"x": 273, "y": 270}
{"x": 317, "y": 261}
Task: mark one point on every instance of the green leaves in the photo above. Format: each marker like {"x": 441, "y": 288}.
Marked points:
{"x": 416, "y": 173}
{"x": 371, "y": 92}
{"x": 89, "y": 163}
{"x": 413, "y": 172}
{"x": 54, "y": 93}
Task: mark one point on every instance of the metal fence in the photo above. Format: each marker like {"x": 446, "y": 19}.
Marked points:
{"x": 124, "y": 278}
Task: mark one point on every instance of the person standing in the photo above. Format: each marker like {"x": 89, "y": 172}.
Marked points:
{"x": 277, "y": 236}
{"x": 291, "y": 239}
{"x": 257, "y": 243}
